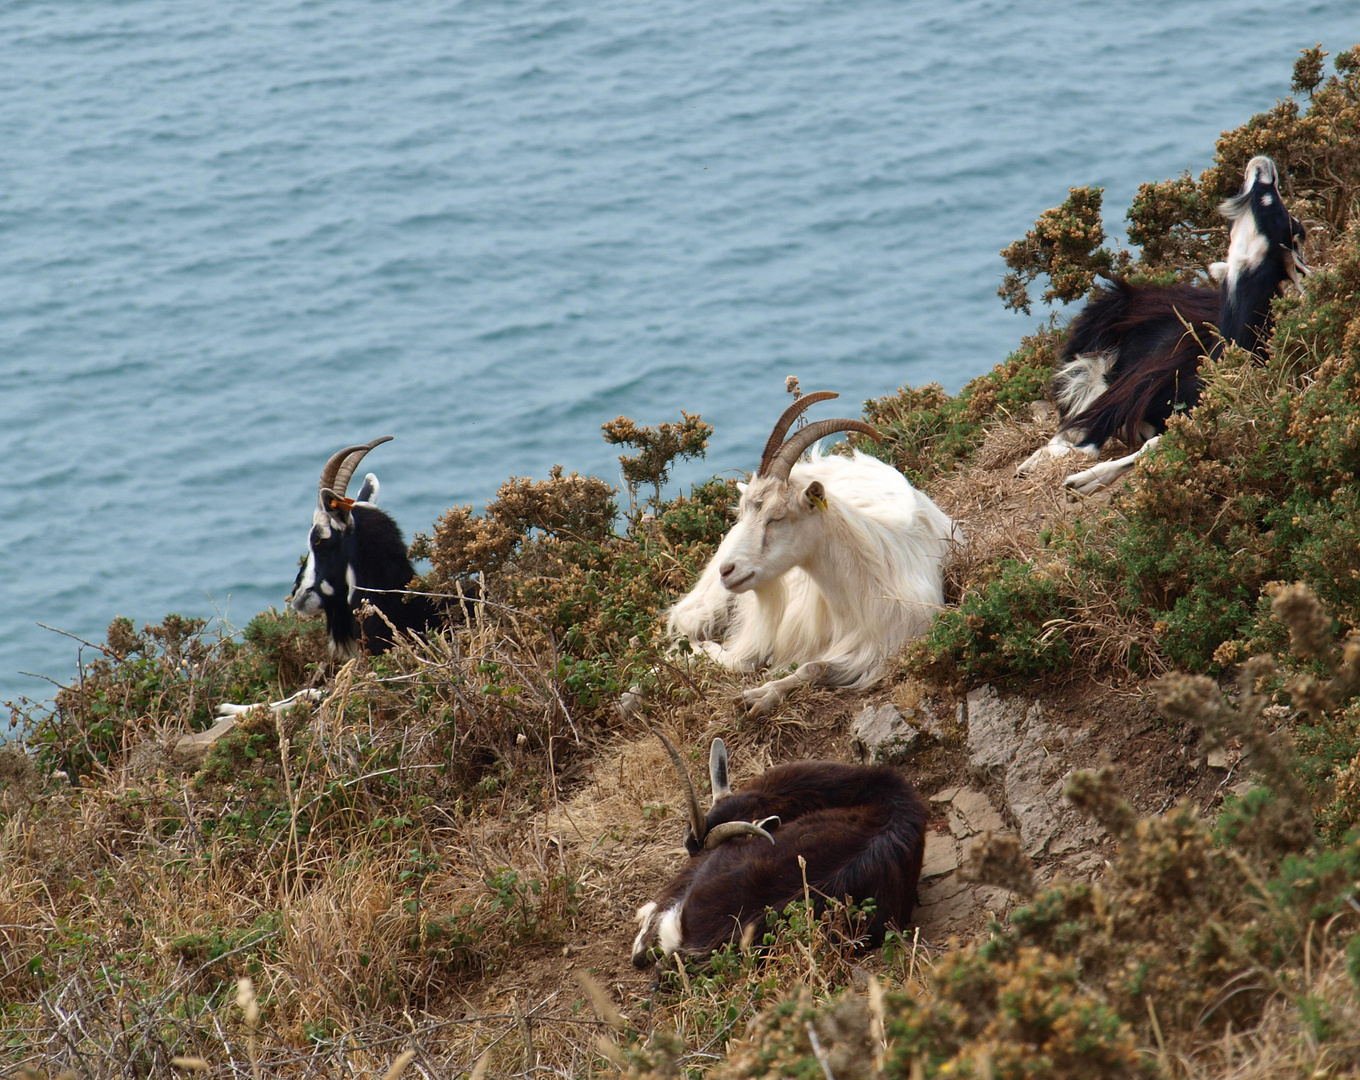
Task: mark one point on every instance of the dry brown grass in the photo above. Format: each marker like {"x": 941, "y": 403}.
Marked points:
{"x": 409, "y": 806}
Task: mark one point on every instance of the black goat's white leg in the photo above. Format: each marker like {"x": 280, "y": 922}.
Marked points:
{"x": 309, "y": 696}
{"x": 1058, "y": 446}
{"x": 1107, "y": 472}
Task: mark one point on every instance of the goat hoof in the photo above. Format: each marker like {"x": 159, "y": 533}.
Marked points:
{"x": 759, "y": 702}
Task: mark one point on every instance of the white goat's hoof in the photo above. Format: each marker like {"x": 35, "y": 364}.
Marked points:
{"x": 712, "y": 649}
{"x": 1047, "y": 452}
{"x": 761, "y": 701}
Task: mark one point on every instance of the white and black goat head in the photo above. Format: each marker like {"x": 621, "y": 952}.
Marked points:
{"x": 1265, "y": 249}
{"x": 774, "y": 530}
{"x": 356, "y": 553}
{"x": 859, "y": 829}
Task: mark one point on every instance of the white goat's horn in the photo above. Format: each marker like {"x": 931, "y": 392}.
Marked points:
{"x": 336, "y": 475}
{"x": 728, "y": 829}
{"x": 799, "y": 441}
{"x": 781, "y": 428}
{"x": 696, "y": 819}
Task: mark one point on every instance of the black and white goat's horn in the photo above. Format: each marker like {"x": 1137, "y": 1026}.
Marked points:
{"x": 781, "y": 427}
{"x": 340, "y": 468}
{"x": 696, "y": 818}
{"x": 799, "y": 441}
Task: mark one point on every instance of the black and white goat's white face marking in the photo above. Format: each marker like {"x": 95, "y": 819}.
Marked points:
{"x": 771, "y": 535}
{"x": 327, "y": 577}
{"x": 660, "y": 927}
{"x": 1261, "y": 226}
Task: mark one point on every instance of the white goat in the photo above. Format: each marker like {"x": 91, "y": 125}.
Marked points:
{"x": 833, "y": 565}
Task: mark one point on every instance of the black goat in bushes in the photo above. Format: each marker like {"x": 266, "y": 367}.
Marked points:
{"x": 1132, "y": 357}
{"x": 356, "y": 553}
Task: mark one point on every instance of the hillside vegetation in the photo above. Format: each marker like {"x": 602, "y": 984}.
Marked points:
{"x": 434, "y": 869}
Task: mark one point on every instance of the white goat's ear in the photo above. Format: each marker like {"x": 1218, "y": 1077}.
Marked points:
{"x": 741, "y": 486}
{"x": 815, "y": 494}
{"x": 369, "y": 492}
{"x": 717, "y": 771}
{"x": 1218, "y": 271}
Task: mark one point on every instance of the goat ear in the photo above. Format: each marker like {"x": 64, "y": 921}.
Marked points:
{"x": 336, "y": 507}
{"x": 815, "y": 494}
{"x": 742, "y": 485}
{"x": 717, "y": 770}
{"x": 1218, "y": 271}
{"x": 369, "y": 492}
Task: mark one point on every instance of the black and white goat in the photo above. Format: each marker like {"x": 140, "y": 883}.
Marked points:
{"x": 833, "y": 565}
{"x": 356, "y": 553}
{"x": 860, "y": 830}
{"x": 1133, "y": 354}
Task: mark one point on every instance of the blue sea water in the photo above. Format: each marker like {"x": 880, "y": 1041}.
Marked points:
{"x": 235, "y": 237}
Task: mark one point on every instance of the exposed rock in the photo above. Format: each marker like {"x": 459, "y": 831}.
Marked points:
{"x": 975, "y": 812}
{"x": 887, "y": 734}
{"x": 991, "y": 728}
{"x": 1043, "y": 411}
{"x": 1011, "y": 737}
{"x": 1084, "y": 864}
{"x": 191, "y": 749}
{"x": 942, "y": 855}
{"x": 945, "y": 794}
{"x": 941, "y": 915}
{"x": 945, "y": 888}
{"x": 993, "y": 899}
{"x": 882, "y": 733}
{"x": 1217, "y": 758}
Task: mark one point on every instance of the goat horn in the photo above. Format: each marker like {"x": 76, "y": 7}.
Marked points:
{"x": 696, "y": 819}
{"x": 336, "y": 475}
{"x": 799, "y": 441}
{"x": 728, "y": 829}
{"x": 776, "y": 439}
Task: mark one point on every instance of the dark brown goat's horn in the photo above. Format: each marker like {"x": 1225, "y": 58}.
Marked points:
{"x": 336, "y": 475}
{"x": 776, "y": 439}
{"x": 728, "y": 829}
{"x": 801, "y": 440}
{"x": 696, "y": 819}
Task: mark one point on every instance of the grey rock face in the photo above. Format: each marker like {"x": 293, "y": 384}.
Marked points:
{"x": 881, "y": 733}
{"x": 1011, "y": 737}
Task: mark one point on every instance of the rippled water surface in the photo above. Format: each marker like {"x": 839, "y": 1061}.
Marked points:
{"x": 234, "y": 237}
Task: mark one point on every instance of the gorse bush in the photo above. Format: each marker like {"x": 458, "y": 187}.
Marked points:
{"x": 175, "y": 671}
{"x": 548, "y": 550}
{"x": 925, "y": 431}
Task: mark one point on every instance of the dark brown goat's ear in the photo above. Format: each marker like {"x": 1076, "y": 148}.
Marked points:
{"x": 815, "y": 494}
